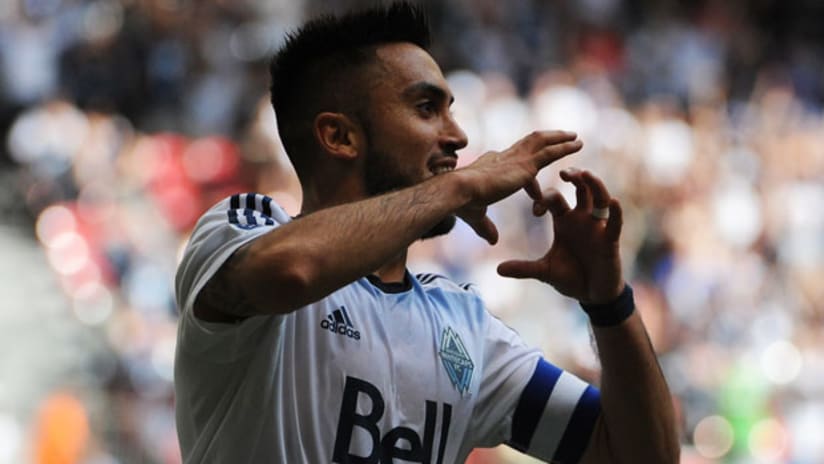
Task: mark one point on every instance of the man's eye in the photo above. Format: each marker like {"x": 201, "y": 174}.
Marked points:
{"x": 427, "y": 108}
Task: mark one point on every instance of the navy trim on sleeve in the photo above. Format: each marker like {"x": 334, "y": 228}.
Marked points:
{"x": 532, "y": 403}
{"x": 580, "y": 427}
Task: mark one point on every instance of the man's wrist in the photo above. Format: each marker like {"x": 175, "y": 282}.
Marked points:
{"x": 612, "y": 313}
{"x": 461, "y": 186}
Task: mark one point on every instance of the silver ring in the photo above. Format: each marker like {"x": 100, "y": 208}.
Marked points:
{"x": 600, "y": 213}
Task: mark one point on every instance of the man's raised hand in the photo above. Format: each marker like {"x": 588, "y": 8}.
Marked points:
{"x": 584, "y": 261}
{"x": 496, "y": 175}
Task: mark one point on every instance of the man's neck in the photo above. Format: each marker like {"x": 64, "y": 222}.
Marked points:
{"x": 394, "y": 270}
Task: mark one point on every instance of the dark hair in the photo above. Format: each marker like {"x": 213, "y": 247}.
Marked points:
{"x": 317, "y": 68}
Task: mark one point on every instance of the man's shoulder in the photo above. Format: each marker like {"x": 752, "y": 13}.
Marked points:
{"x": 245, "y": 211}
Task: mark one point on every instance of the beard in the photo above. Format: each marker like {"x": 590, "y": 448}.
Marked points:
{"x": 383, "y": 176}
{"x": 441, "y": 228}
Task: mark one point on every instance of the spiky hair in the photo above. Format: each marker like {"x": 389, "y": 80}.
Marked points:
{"x": 315, "y": 70}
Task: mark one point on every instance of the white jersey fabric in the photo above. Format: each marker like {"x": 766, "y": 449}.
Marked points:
{"x": 372, "y": 373}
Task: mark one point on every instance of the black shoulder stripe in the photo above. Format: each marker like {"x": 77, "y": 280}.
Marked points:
{"x": 252, "y": 218}
{"x": 248, "y": 214}
{"x": 233, "y": 216}
{"x": 252, "y": 201}
{"x": 267, "y": 206}
{"x": 429, "y": 278}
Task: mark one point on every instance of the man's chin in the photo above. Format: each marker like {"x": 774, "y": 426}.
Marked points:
{"x": 441, "y": 228}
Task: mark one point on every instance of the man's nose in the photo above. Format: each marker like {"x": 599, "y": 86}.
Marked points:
{"x": 453, "y": 137}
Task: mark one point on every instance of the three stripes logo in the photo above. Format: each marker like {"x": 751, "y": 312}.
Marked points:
{"x": 427, "y": 278}
{"x": 250, "y": 210}
{"x": 338, "y": 322}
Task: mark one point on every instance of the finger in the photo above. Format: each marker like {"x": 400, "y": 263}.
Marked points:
{"x": 615, "y": 221}
{"x": 583, "y": 197}
{"x": 600, "y": 194}
{"x": 521, "y": 269}
{"x": 486, "y": 229}
{"x": 554, "y": 202}
{"x": 539, "y": 139}
{"x": 552, "y": 153}
{"x": 533, "y": 189}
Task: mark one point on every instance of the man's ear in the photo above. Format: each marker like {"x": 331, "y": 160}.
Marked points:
{"x": 338, "y": 135}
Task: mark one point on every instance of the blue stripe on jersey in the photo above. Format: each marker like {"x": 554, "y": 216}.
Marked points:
{"x": 251, "y": 220}
{"x": 531, "y": 404}
{"x": 578, "y": 431}
{"x": 246, "y": 205}
{"x": 232, "y": 213}
{"x": 235, "y": 214}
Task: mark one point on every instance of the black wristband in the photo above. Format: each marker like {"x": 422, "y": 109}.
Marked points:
{"x": 612, "y": 313}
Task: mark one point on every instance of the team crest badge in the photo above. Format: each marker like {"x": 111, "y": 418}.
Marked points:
{"x": 456, "y": 360}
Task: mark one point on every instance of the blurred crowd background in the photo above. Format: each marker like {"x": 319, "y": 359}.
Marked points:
{"x": 123, "y": 120}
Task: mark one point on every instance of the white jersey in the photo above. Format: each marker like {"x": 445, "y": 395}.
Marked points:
{"x": 372, "y": 373}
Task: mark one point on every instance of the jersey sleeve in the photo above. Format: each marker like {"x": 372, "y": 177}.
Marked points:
{"x": 223, "y": 229}
{"x": 530, "y": 404}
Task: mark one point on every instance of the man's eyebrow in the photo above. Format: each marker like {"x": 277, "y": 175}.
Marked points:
{"x": 428, "y": 88}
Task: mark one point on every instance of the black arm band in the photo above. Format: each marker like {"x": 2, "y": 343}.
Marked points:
{"x": 612, "y": 313}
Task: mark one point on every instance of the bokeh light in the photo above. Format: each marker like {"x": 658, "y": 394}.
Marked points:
{"x": 768, "y": 441}
{"x": 92, "y": 304}
{"x": 68, "y": 253}
{"x": 781, "y": 362}
{"x": 713, "y": 437}
{"x": 53, "y": 222}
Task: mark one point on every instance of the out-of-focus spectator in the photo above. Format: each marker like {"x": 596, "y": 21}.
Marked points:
{"x": 62, "y": 430}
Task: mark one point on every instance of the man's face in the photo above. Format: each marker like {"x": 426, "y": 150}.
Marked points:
{"x": 411, "y": 135}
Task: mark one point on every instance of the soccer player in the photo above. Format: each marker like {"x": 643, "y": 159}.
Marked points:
{"x": 306, "y": 340}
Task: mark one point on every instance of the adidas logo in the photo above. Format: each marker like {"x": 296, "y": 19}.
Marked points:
{"x": 338, "y": 322}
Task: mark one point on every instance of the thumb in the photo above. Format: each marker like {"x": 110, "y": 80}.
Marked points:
{"x": 521, "y": 269}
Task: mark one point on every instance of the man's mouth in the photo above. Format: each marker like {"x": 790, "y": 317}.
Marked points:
{"x": 442, "y": 164}
{"x": 442, "y": 169}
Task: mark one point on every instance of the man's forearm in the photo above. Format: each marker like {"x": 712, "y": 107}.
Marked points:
{"x": 330, "y": 248}
{"x": 637, "y": 409}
